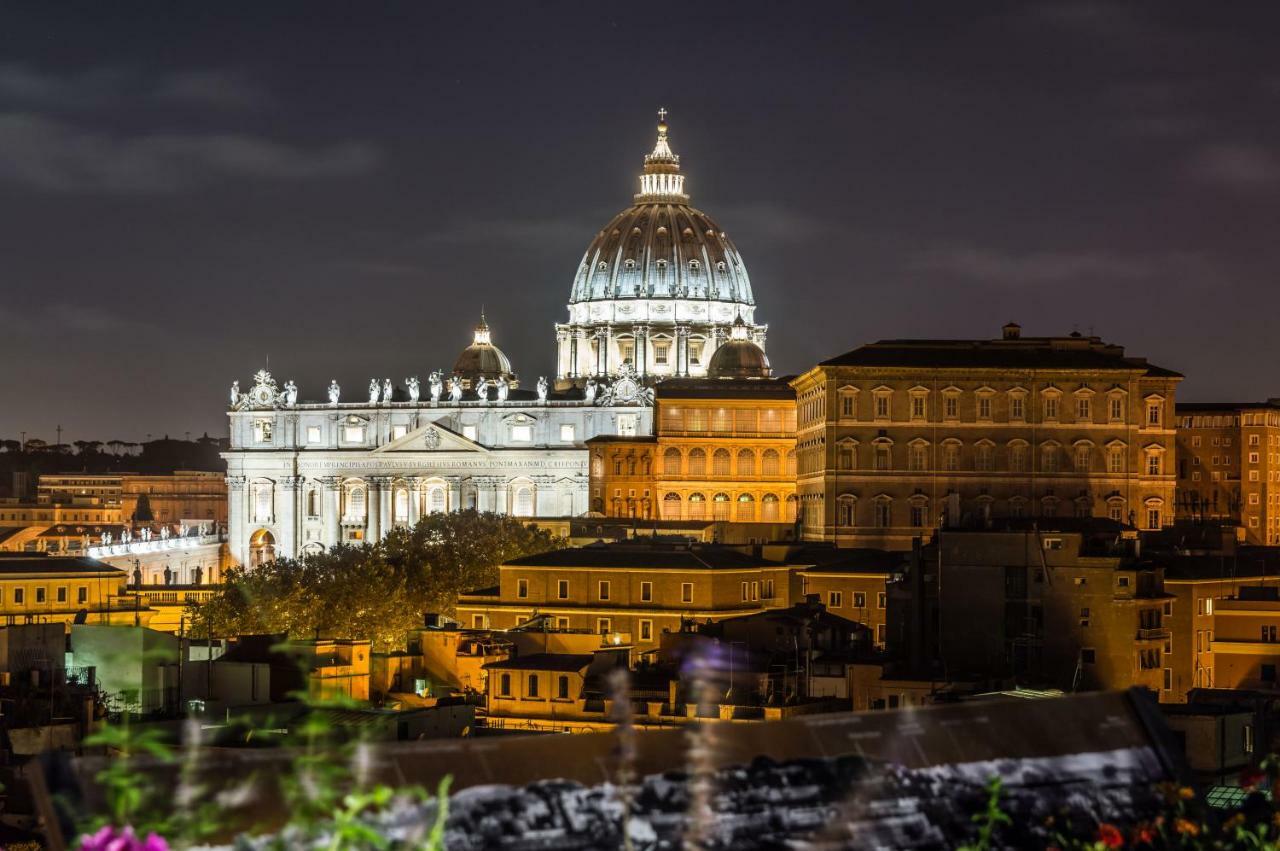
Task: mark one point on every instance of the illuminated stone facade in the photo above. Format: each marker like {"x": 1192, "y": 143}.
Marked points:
{"x": 1229, "y": 466}
{"x": 896, "y": 435}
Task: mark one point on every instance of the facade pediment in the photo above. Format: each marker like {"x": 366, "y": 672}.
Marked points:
{"x": 432, "y": 437}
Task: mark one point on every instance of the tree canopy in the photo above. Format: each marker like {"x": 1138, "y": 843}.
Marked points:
{"x": 378, "y": 591}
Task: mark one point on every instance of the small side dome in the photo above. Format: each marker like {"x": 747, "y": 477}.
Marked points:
{"x": 739, "y": 357}
{"x": 482, "y": 359}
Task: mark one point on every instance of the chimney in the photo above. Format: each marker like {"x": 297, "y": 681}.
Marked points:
{"x": 1012, "y": 331}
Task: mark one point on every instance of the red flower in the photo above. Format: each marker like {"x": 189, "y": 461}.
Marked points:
{"x": 1110, "y": 836}
{"x": 1145, "y": 835}
{"x": 1251, "y": 777}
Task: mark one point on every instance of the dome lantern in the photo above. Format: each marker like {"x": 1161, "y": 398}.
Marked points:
{"x": 482, "y": 359}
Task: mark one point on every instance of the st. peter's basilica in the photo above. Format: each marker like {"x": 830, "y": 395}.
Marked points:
{"x": 661, "y": 292}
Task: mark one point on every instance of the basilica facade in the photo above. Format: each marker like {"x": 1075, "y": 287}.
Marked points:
{"x": 659, "y": 291}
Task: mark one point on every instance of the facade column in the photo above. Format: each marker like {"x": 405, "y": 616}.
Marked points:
{"x": 602, "y": 360}
{"x": 573, "y": 352}
{"x": 415, "y": 500}
{"x": 237, "y": 525}
{"x": 682, "y": 350}
{"x": 287, "y": 516}
{"x": 454, "y": 484}
{"x": 373, "y": 509}
{"x": 387, "y": 503}
{"x": 584, "y": 350}
{"x": 330, "y": 510}
{"x": 641, "y": 333}
{"x": 608, "y": 348}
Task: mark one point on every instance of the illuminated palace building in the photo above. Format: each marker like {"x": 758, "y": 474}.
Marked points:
{"x": 661, "y": 293}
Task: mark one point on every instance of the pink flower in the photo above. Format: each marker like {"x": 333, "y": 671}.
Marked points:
{"x": 110, "y": 839}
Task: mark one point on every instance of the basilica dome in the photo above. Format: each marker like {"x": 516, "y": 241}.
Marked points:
{"x": 662, "y": 247}
{"x": 739, "y": 357}
{"x": 482, "y": 359}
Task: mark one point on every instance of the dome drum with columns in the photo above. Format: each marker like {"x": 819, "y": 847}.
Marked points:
{"x": 658, "y": 289}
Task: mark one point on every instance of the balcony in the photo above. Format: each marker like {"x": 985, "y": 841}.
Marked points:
{"x": 1157, "y": 633}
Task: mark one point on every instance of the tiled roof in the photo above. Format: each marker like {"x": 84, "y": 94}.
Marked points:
{"x": 719, "y": 388}
{"x": 35, "y": 563}
{"x": 657, "y": 557}
{"x": 1045, "y": 354}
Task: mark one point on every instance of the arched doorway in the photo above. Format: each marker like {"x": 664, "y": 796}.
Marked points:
{"x": 262, "y": 548}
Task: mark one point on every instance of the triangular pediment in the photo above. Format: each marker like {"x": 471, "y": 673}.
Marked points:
{"x": 432, "y": 437}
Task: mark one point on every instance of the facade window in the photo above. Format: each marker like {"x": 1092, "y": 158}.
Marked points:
{"x": 951, "y": 457}
{"x": 697, "y": 462}
{"x": 951, "y": 407}
{"x": 1049, "y": 459}
{"x": 1115, "y": 460}
{"x": 661, "y": 352}
{"x": 859, "y": 599}
{"x": 1018, "y": 458}
{"x": 262, "y": 431}
{"x": 646, "y": 630}
{"x": 1153, "y": 464}
{"x": 313, "y": 434}
{"x": 357, "y": 505}
{"x": 522, "y": 588}
{"x": 882, "y": 600}
{"x": 1084, "y": 410}
{"x": 686, "y": 592}
{"x": 1116, "y": 408}
{"x": 834, "y": 599}
{"x": 1115, "y": 511}
{"x": 918, "y": 407}
{"x": 917, "y": 515}
{"x": 846, "y": 456}
{"x": 844, "y": 512}
{"x": 562, "y": 589}
{"x": 401, "y": 504}
{"x": 1154, "y": 410}
{"x": 1017, "y": 408}
{"x": 521, "y": 434}
{"x": 671, "y": 462}
{"x": 40, "y": 594}
{"x": 353, "y": 433}
{"x": 604, "y": 589}
{"x": 983, "y": 459}
{"x": 770, "y": 463}
{"x": 603, "y": 626}
{"x": 1153, "y": 518}
{"x": 533, "y": 686}
{"x": 19, "y": 596}
{"x": 562, "y": 687}
{"x": 567, "y": 433}
{"x": 882, "y": 406}
{"x": 1082, "y": 459}
{"x": 847, "y": 405}
{"x": 62, "y": 594}
{"x": 884, "y": 513}
{"x": 82, "y": 595}
{"x": 746, "y": 463}
{"x": 984, "y": 407}
{"x": 1050, "y": 407}
{"x": 918, "y": 457}
{"x": 504, "y": 685}
{"x": 646, "y": 592}
{"x": 884, "y": 457}
{"x": 523, "y": 502}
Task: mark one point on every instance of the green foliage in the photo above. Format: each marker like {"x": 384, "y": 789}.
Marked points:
{"x": 990, "y": 819}
{"x": 132, "y": 798}
{"x": 373, "y": 591}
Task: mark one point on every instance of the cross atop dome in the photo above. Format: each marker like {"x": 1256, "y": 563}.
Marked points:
{"x": 662, "y": 180}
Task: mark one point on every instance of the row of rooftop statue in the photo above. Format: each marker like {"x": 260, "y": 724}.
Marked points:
{"x": 382, "y": 392}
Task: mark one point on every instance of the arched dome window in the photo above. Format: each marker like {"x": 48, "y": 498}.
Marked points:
{"x": 671, "y": 506}
{"x": 697, "y": 506}
{"x": 671, "y": 462}
{"x": 769, "y": 505}
{"x": 697, "y": 463}
{"x": 721, "y": 266}
{"x": 603, "y": 266}
{"x": 694, "y": 266}
{"x": 356, "y": 505}
{"x": 630, "y": 264}
{"x": 720, "y": 506}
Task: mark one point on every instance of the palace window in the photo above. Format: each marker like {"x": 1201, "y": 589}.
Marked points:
{"x": 562, "y": 687}
{"x": 522, "y": 588}
{"x": 401, "y": 505}
{"x": 882, "y": 406}
{"x": 1154, "y": 411}
{"x": 951, "y": 406}
{"x": 770, "y": 463}
{"x": 918, "y": 407}
{"x": 1153, "y": 464}
{"x": 984, "y": 457}
{"x": 562, "y": 589}
{"x": 951, "y": 456}
{"x": 686, "y": 592}
{"x": 356, "y": 505}
{"x": 522, "y": 433}
{"x": 1084, "y": 409}
{"x": 918, "y": 457}
{"x": 1050, "y": 407}
{"x": 844, "y": 512}
{"x": 661, "y": 352}
{"x": 884, "y": 456}
{"x": 313, "y": 434}
{"x": 746, "y": 463}
{"x": 533, "y": 686}
{"x": 604, "y": 589}
{"x": 1115, "y": 408}
{"x": 1082, "y": 459}
{"x": 884, "y": 513}
{"x": 984, "y": 407}
{"x": 1115, "y": 459}
{"x": 353, "y": 433}
{"x": 720, "y": 463}
{"x": 918, "y": 514}
{"x": 646, "y": 592}
{"x": 567, "y": 433}
{"x": 1049, "y": 459}
{"x": 846, "y": 456}
{"x": 399, "y": 431}
{"x": 1017, "y": 408}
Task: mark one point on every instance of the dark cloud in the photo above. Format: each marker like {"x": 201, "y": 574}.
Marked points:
{"x": 50, "y": 154}
{"x": 1237, "y": 166}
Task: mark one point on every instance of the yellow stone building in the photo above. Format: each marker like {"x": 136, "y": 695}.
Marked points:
{"x": 896, "y": 435}
{"x": 1229, "y": 466}
{"x": 723, "y": 450}
{"x": 630, "y": 592}
{"x": 40, "y": 588}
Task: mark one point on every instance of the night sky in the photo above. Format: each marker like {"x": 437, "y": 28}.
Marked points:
{"x": 187, "y": 190}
